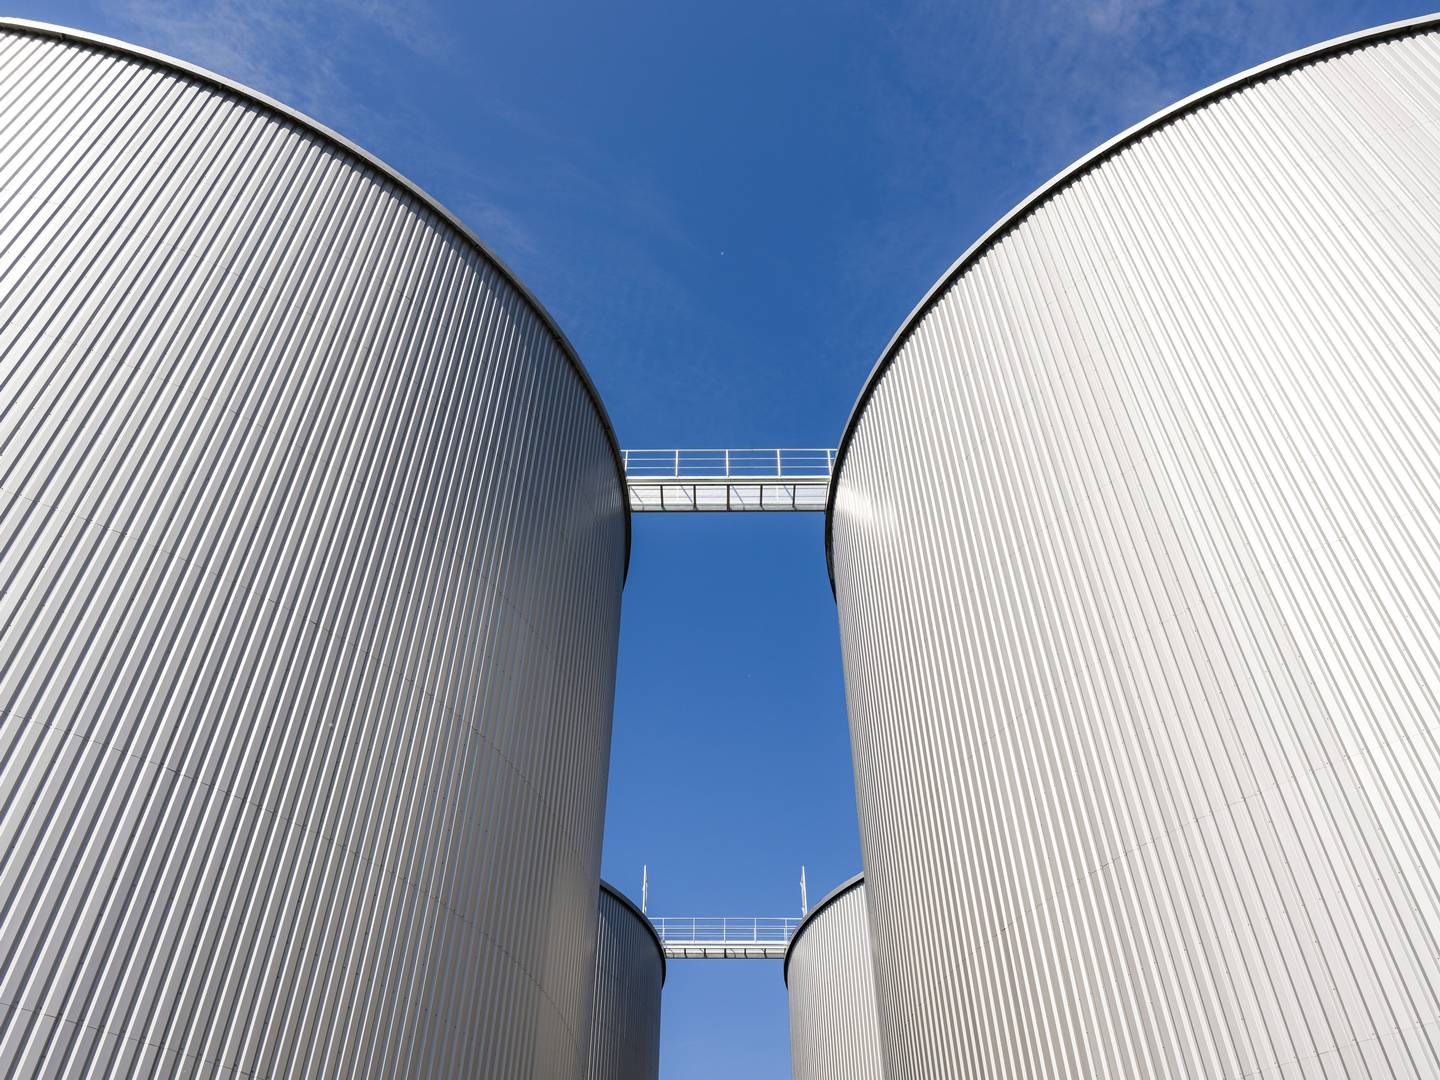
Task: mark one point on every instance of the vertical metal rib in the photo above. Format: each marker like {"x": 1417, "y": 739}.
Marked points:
{"x": 1134, "y": 549}
{"x": 312, "y": 542}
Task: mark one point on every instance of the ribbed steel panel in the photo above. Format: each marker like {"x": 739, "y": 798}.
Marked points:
{"x": 629, "y": 972}
{"x": 1134, "y": 543}
{"x": 834, "y": 1030}
{"x": 313, "y": 540}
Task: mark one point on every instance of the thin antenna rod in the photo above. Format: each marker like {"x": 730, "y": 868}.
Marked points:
{"x": 804, "y": 903}
{"x": 645, "y": 889}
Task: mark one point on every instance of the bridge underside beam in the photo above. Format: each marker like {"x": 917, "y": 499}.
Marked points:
{"x": 724, "y": 494}
{"x": 725, "y": 950}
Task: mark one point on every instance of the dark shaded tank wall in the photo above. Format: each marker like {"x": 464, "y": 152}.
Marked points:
{"x": 629, "y": 973}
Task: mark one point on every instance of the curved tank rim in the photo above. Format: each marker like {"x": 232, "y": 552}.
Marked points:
{"x": 124, "y": 48}
{"x": 1072, "y": 172}
{"x": 606, "y": 887}
{"x": 848, "y": 885}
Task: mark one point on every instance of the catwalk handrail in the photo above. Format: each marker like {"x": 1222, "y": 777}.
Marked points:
{"x": 724, "y": 930}
{"x": 729, "y": 464}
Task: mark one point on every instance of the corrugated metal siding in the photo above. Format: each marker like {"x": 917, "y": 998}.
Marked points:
{"x": 1134, "y": 552}
{"x": 834, "y": 1032}
{"x": 629, "y": 972}
{"x": 312, "y": 545}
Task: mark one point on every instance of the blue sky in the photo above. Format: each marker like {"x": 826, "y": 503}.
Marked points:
{"x": 729, "y": 208}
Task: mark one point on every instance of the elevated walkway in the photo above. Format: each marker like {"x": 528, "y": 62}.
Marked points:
{"x": 689, "y": 937}
{"x": 686, "y": 481}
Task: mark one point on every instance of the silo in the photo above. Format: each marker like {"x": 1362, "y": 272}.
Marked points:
{"x": 1134, "y": 543}
{"x": 834, "y": 1033}
{"x": 313, "y": 541}
{"x": 629, "y": 972}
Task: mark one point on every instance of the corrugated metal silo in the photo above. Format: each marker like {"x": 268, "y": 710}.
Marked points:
{"x": 313, "y": 540}
{"x": 834, "y": 1032}
{"x": 1134, "y": 545}
{"x": 629, "y": 972}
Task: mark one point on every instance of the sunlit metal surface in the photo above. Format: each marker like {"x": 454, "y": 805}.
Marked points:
{"x": 629, "y": 972}
{"x": 834, "y": 1029}
{"x": 689, "y": 937}
{"x": 728, "y": 480}
{"x": 313, "y": 538}
{"x": 1141, "y": 618}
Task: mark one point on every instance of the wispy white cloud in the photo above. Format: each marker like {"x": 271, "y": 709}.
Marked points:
{"x": 497, "y": 227}
{"x": 978, "y": 103}
{"x": 1100, "y": 65}
{"x": 1059, "y": 76}
{"x": 540, "y": 206}
{"x": 1111, "y": 16}
{"x": 304, "y": 54}
{"x": 325, "y": 57}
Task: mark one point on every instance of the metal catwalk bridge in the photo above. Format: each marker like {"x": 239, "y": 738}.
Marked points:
{"x": 733, "y": 480}
{"x": 720, "y": 938}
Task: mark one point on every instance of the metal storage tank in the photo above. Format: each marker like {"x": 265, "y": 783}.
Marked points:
{"x": 1134, "y": 545}
{"x": 313, "y": 541}
{"x": 629, "y": 972}
{"x": 834, "y": 1032}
